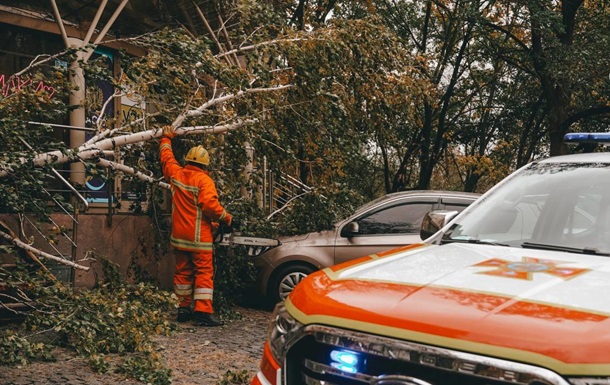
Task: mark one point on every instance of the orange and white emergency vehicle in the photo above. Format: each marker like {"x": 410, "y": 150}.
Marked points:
{"x": 513, "y": 290}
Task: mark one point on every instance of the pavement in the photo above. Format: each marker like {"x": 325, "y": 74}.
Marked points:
{"x": 196, "y": 356}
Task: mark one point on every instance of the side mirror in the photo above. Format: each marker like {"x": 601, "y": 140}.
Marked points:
{"x": 350, "y": 230}
{"x": 434, "y": 221}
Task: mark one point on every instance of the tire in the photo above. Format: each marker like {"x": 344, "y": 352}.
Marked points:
{"x": 285, "y": 279}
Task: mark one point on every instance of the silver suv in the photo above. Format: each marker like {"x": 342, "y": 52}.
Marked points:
{"x": 390, "y": 221}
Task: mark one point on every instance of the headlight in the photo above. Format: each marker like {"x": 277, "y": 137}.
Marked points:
{"x": 282, "y": 332}
{"x": 590, "y": 381}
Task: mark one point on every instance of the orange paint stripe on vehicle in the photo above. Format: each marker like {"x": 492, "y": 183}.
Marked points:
{"x": 400, "y": 249}
{"x": 518, "y": 331}
{"x": 371, "y": 257}
{"x": 351, "y": 263}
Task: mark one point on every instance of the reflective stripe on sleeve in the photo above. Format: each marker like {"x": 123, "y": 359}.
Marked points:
{"x": 186, "y": 187}
{"x": 223, "y": 215}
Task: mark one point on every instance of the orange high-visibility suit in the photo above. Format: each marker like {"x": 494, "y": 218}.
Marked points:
{"x": 195, "y": 206}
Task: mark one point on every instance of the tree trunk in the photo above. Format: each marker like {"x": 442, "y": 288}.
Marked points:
{"x": 557, "y": 98}
{"x": 424, "y": 152}
{"x": 558, "y": 107}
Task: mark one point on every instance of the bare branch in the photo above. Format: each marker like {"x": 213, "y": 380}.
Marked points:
{"x": 212, "y": 102}
{"x": 6, "y": 229}
{"x": 40, "y": 253}
{"x": 255, "y": 46}
{"x": 131, "y": 171}
{"x": 107, "y": 133}
{"x": 93, "y": 150}
{"x": 286, "y": 205}
{"x": 223, "y": 29}
{"x": 34, "y": 63}
{"x": 212, "y": 34}
{"x": 597, "y": 110}
{"x": 103, "y": 110}
{"x": 215, "y": 129}
{"x": 15, "y": 304}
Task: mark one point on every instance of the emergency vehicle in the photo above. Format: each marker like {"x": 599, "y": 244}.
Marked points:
{"x": 513, "y": 290}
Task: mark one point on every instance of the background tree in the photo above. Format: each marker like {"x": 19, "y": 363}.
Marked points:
{"x": 442, "y": 36}
{"x": 558, "y": 45}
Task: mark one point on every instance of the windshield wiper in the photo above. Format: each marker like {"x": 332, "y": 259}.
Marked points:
{"x": 542, "y": 246}
{"x": 473, "y": 240}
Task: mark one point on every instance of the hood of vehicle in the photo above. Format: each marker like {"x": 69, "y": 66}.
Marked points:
{"x": 310, "y": 239}
{"x": 539, "y": 306}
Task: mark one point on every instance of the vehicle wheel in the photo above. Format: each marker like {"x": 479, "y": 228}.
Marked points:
{"x": 285, "y": 279}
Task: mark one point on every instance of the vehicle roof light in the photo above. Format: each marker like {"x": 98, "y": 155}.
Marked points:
{"x": 602, "y": 138}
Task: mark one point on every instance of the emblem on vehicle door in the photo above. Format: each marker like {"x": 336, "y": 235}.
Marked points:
{"x": 397, "y": 380}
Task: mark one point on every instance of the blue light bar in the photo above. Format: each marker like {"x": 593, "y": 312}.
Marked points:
{"x": 345, "y": 360}
{"x": 344, "y": 367}
{"x": 344, "y": 357}
{"x": 585, "y": 137}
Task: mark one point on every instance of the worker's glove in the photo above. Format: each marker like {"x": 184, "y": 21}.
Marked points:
{"x": 225, "y": 229}
{"x": 169, "y": 131}
{"x": 215, "y": 226}
{"x": 235, "y": 224}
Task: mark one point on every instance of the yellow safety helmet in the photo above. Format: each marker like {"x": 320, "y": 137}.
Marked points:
{"x": 198, "y": 155}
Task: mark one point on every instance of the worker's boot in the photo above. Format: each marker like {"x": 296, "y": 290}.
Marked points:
{"x": 184, "y": 314}
{"x": 206, "y": 319}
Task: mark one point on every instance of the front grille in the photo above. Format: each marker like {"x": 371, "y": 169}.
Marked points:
{"x": 309, "y": 362}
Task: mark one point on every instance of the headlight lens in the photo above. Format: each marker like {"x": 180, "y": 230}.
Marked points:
{"x": 282, "y": 331}
{"x": 590, "y": 381}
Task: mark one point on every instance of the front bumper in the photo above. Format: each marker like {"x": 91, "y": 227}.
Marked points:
{"x": 270, "y": 372}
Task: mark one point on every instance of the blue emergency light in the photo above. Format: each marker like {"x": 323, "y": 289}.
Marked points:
{"x": 344, "y": 360}
{"x": 602, "y": 138}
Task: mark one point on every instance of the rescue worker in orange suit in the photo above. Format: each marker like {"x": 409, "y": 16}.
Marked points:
{"x": 195, "y": 207}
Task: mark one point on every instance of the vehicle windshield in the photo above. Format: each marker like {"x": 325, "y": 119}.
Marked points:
{"x": 556, "y": 206}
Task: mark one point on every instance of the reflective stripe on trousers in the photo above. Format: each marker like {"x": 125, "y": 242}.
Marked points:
{"x": 203, "y": 293}
{"x": 194, "y": 269}
{"x": 183, "y": 290}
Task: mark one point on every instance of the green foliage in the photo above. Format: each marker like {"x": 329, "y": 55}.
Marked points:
{"x": 146, "y": 368}
{"x": 23, "y": 189}
{"x": 29, "y": 105}
{"x": 356, "y": 93}
{"x": 234, "y": 274}
{"x": 164, "y": 76}
{"x": 16, "y": 349}
{"x": 236, "y": 378}
{"x": 317, "y": 211}
{"x": 113, "y": 318}
{"x": 314, "y": 211}
{"x": 235, "y": 271}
